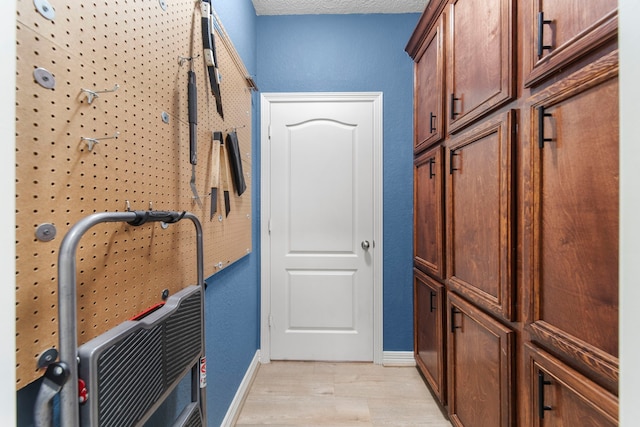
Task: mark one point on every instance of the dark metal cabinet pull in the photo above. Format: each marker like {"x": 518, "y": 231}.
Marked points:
{"x": 432, "y": 127}
{"x": 454, "y": 311}
{"x": 541, "y": 406}
{"x": 541, "y": 115}
{"x": 432, "y": 308}
{"x": 432, "y": 161}
{"x": 541, "y": 23}
{"x": 452, "y": 153}
{"x": 452, "y": 106}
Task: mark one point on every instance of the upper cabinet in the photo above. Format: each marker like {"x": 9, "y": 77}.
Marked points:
{"x": 429, "y": 89}
{"x": 480, "y": 59}
{"x": 563, "y": 31}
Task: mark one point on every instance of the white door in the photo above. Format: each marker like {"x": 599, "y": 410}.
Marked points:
{"x": 321, "y": 228}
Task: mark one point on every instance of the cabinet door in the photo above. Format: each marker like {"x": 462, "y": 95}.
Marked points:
{"x": 428, "y": 237}
{"x": 428, "y": 300}
{"x": 560, "y": 32}
{"x": 479, "y": 59}
{"x": 560, "y": 396}
{"x": 574, "y": 297}
{"x": 479, "y": 215}
{"x": 429, "y": 90}
{"x": 480, "y": 359}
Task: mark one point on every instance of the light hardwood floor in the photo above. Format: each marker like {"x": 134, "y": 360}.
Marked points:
{"x": 339, "y": 394}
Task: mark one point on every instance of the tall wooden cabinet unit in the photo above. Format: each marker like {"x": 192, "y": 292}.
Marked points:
{"x": 516, "y": 210}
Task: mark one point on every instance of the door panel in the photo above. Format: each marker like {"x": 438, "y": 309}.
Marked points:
{"x": 480, "y": 358}
{"x": 570, "y": 31}
{"x": 428, "y": 194}
{"x": 429, "y": 90}
{"x": 560, "y": 396}
{"x": 480, "y": 212}
{"x": 575, "y": 224}
{"x": 321, "y": 188}
{"x": 480, "y": 59}
{"x": 321, "y": 160}
{"x": 428, "y": 299}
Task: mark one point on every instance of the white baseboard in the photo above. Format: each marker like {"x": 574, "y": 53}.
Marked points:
{"x": 398, "y": 358}
{"x": 241, "y": 394}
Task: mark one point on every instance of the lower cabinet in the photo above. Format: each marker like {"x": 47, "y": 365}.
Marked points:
{"x": 429, "y": 346}
{"x": 560, "y": 396}
{"x": 480, "y": 361}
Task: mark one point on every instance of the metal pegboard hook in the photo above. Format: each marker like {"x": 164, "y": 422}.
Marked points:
{"x": 92, "y": 94}
{"x": 93, "y": 141}
{"x": 183, "y": 59}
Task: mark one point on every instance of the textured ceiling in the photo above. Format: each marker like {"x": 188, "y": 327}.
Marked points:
{"x": 315, "y": 7}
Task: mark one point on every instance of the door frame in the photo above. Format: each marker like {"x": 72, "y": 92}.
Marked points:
{"x": 266, "y": 99}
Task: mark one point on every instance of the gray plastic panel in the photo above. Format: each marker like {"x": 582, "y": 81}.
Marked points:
{"x": 133, "y": 367}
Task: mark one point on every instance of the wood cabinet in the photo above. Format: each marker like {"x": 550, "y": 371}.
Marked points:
{"x": 428, "y": 300}
{"x": 575, "y": 176}
{"x": 479, "y": 58}
{"x": 428, "y": 187}
{"x": 563, "y": 397}
{"x": 523, "y": 177}
{"x": 480, "y": 353}
{"x": 429, "y": 90}
{"x": 560, "y": 32}
{"x": 479, "y": 214}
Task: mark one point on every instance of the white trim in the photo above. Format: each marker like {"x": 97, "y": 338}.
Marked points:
{"x": 8, "y": 228}
{"x": 398, "y": 358}
{"x": 266, "y": 99}
{"x": 241, "y": 394}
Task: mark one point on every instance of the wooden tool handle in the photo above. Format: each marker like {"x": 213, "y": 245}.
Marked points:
{"x": 215, "y": 163}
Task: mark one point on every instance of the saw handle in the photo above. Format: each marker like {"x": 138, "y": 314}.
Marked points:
{"x": 193, "y": 118}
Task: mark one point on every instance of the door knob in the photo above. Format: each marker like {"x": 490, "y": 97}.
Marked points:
{"x": 365, "y": 245}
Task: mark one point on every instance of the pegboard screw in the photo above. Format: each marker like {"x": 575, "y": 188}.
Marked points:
{"x": 165, "y": 294}
{"x": 45, "y": 9}
{"x": 46, "y": 232}
{"x": 220, "y": 218}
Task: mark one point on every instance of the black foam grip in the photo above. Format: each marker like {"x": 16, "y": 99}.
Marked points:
{"x": 235, "y": 160}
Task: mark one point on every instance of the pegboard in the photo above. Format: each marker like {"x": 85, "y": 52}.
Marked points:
{"x": 121, "y": 270}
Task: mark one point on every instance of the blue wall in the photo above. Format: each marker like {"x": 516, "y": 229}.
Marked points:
{"x": 232, "y": 310}
{"x": 351, "y": 53}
